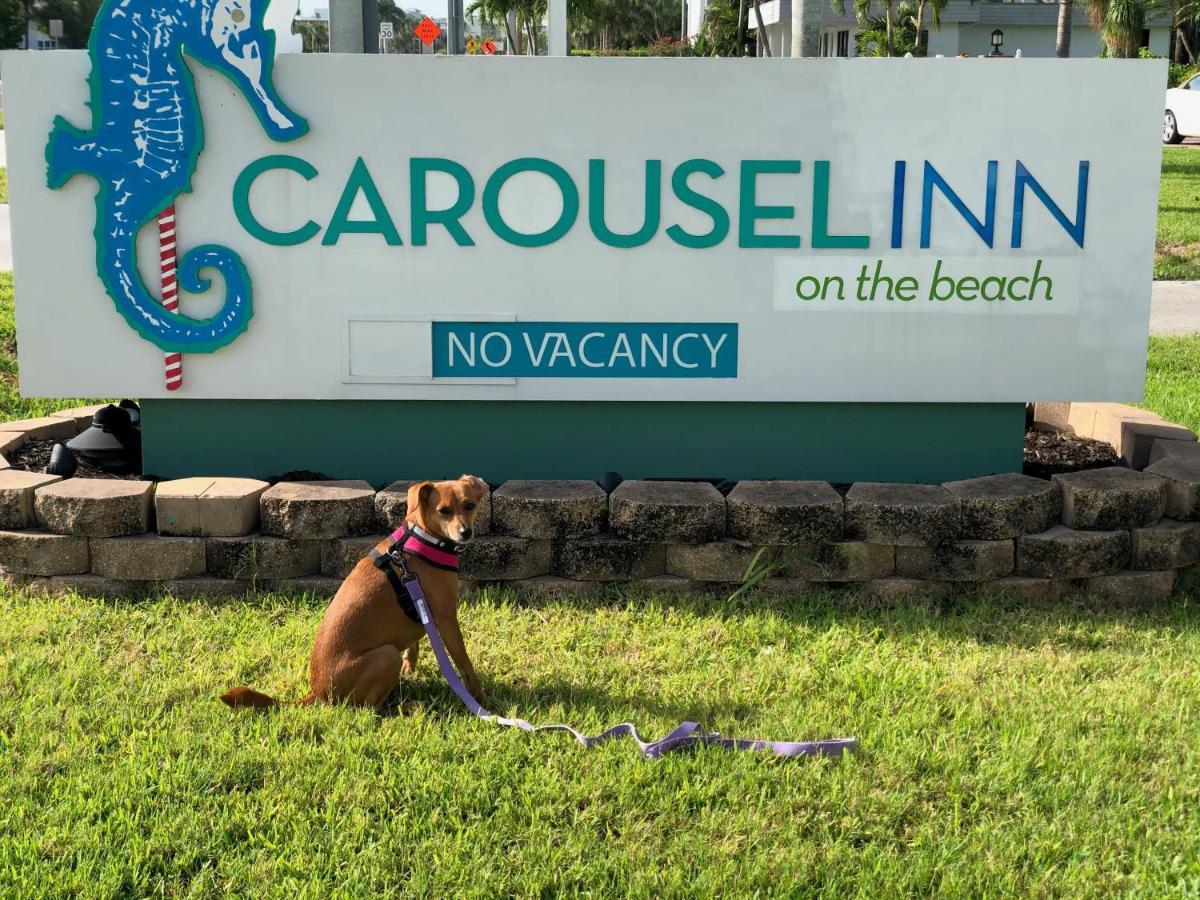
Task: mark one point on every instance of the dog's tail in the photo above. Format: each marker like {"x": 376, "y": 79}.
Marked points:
{"x": 248, "y": 698}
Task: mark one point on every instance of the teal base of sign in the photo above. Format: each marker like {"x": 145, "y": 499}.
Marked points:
{"x": 383, "y": 441}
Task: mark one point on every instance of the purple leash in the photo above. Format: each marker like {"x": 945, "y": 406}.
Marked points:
{"x": 686, "y": 735}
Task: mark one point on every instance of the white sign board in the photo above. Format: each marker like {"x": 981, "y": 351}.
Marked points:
{"x": 626, "y": 229}
{"x": 386, "y": 31}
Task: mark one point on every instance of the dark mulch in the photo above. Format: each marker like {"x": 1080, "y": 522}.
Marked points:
{"x": 35, "y": 456}
{"x": 1049, "y": 453}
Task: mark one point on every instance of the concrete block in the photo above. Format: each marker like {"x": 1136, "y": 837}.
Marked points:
{"x": 838, "y": 562}
{"x": 549, "y": 509}
{"x": 11, "y": 441}
{"x": 258, "y": 557}
{"x": 45, "y": 428}
{"x": 901, "y": 514}
{"x": 505, "y": 558}
{"x": 551, "y": 587}
{"x": 1057, "y": 414}
{"x": 1136, "y": 589}
{"x": 673, "y": 512}
{"x": 208, "y": 507}
{"x": 1030, "y": 590}
{"x": 1166, "y": 448}
{"x": 206, "y": 588}
{"x": 1110, "y": 498}
{"x": 785, "y": 512}
{"x": 1166, "y": 545}
{"x": 958, "y": 561}
{"x": 16, "y": 496}
{"x": 80, "y": 415}
{"x": 672, "y": 584}
{"x": 147, "y": 557}
{"x": 1132, "y": 431}
{"x": 95, "y": 507}
{"x": 1183, "y": 486}
{"x": 43, "y": 553}
{"x": 718, "y": 561}
{"x": 89, "y": 586}
{"x": 896, "y": 590}
{"x": 317, "y": 586}
{"x": 1062, "y": 552}
{"x": 997, "y": 507}
{"x": 608, "y": 558}
{"x": 340, "y": 555}
{"x": 391, "y": 506}
{"x": 318, "y": 509}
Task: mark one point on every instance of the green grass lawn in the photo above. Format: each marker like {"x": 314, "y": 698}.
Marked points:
{"x": 1178, "y": 242}
{"x": 3, "y": 184}
{"x": 1005, "y": 751}
{"x": 1173, "y": 379}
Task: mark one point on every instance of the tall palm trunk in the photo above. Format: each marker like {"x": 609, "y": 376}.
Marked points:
{"x": 1062, "y": 40}
{"x": 806, "y": 28}
{"x": 1187, "y": 48}
{"x": 887, "y": 18}
{"x": 918, "y": 22}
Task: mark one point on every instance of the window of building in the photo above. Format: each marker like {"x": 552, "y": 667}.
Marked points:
{"x": 843, "y": 42}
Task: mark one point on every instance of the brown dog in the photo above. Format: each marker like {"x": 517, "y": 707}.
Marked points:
{"x": 365, "y": 641}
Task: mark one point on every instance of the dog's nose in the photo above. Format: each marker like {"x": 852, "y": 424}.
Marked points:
{"x": 464, "y": 533}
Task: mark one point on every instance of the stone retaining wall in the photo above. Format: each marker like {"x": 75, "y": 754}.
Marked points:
{"x": 1116, "y": 532}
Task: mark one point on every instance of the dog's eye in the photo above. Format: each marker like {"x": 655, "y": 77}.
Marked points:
{"x": 468, "y": 506}
{"x": 443, "y": 510}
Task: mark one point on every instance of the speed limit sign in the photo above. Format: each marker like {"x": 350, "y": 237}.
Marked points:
{"x": 387, "y": 30}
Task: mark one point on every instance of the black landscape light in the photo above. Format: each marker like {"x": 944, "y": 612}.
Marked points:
{"x": 114, "y": 440}
{"x": 997, "y": 42}
{"x": 62, "y": 461}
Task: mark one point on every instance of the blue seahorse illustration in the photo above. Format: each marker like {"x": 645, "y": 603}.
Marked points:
{"x": 146, "y": 136}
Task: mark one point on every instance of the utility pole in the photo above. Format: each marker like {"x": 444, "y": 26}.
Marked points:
{"x": 345, "y": 26}
{"x": 556, "y": 25}
{"x": 370, "y": 18}
{"x": 456, "y": 39}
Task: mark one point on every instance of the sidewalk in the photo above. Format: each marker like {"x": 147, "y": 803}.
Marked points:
{"x": 1175, "y": 307}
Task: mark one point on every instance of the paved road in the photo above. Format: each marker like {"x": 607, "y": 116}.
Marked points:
{"x": 1175, "y": 307}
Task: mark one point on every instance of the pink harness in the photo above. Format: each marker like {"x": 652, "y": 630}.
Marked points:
{"x": 419, "y": 542}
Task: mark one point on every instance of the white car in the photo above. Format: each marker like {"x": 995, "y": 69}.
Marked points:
{"x": 1182, "y": 117}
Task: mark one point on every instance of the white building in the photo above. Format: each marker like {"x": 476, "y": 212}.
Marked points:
{"x": 1030, "y": 27}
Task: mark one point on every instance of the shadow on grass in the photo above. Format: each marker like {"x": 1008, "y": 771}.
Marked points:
{"x": 431, "y": 692}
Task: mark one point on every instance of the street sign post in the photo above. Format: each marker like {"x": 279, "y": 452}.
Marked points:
{"x": 427, "y": 31}
{"x": 387, "y": 31}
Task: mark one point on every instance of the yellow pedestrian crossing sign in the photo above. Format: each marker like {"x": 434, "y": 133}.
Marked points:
{"x": 472, "y": 46}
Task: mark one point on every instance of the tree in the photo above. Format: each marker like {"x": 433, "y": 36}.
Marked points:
{"x": 12, "y": 24}
{"x": 529, "y": 14}
{"x": 877, "y": 39}
{"x": 1062, "y": 40}
{"x": 1184, "y": 16}
{"x": 936, "y": 8}
{"x": 1120, "y": 23}
{"x": 77, "y": 18}
{"x": 724, "y": 29}
{"x": 806, "y": 28}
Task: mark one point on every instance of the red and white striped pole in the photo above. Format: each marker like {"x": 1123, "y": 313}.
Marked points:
{"x": 170, "y": 291}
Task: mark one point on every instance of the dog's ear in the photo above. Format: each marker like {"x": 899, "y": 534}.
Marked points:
{"x": 475, "y": 483}
{"x": 418, "y": 494}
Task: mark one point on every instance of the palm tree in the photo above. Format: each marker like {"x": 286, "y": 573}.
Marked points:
{"x": 1062, "y": 40}
{"x": 1184, "y": 15}
{"x": 806, "y": 27}
{"x": 1120, "y": 23}
{"x": 936, "y": 8}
